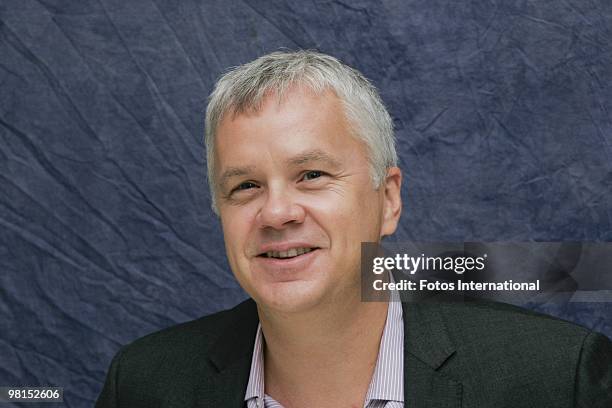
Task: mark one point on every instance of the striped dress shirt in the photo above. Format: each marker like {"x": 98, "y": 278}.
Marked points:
{"x": 386, "y": 388}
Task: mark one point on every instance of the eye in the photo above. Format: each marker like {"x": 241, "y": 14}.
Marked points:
{"x": 245, "y": 186}
{"x": 312, "y": 174}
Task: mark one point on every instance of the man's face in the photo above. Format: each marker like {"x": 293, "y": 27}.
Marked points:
{"x": 296, "y": 200}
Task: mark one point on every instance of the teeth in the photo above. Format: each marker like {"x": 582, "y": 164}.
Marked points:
{"x": 288, "y": 254}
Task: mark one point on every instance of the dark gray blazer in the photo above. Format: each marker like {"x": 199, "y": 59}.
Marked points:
{"x": 471, "y": 355}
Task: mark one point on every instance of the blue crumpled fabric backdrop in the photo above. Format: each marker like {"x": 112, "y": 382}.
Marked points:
{"x": 503, "y": 119}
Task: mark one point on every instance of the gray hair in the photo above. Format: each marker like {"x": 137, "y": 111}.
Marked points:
{"x": 244, "y": 88}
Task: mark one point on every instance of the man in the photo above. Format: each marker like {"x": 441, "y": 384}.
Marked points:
{"x": 302, "y": 169}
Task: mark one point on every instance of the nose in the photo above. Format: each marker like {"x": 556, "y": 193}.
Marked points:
{"x": 280, "y": 210}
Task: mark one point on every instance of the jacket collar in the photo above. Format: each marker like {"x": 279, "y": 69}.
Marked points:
{"x": 230, "y": 357}
{"x": 237, "y": 338}
{"x": 427, "y": 346}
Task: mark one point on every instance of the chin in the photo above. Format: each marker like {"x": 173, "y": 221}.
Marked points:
{"x": 290, "y": 297}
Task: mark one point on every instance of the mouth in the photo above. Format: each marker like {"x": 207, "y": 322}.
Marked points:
{"x": 288, "y": 254}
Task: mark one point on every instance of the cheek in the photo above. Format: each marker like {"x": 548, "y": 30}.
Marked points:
{"x": 347, "y": 225}
{"x": 234, "y": 234}
{"x": 365, "y": 210}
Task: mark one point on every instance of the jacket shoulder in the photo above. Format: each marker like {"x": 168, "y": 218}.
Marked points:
{"x": 186, "y": 341}
{"x": 173, "y": 362}
{"x": 528, "y": 355}
{"x": 511, "y": 322}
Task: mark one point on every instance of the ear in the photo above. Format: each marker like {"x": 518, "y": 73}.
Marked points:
{"x": 392, "y": 201}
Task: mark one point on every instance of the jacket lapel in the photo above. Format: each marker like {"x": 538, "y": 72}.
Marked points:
{"x": 426, "y": 347}
{"x": 230, "y": 357}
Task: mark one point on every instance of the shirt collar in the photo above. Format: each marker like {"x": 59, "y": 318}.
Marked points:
{"x": 387, "y": 383}
{"x": 255, "y": 387}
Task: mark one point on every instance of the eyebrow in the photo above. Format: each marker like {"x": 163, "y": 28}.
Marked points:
{"x": 231, "y": 172}
{"x": 314, "y": 156}
{"x": 307, "y": 157}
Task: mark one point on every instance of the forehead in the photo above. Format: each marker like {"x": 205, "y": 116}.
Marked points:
{"x": 283, "y": 127}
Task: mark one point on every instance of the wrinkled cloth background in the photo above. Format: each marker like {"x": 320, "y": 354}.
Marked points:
{"x": 504, "y": 127}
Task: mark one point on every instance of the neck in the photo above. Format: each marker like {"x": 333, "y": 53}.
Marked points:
{"x": 329, "y": 351}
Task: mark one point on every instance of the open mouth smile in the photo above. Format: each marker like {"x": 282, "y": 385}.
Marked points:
{"x": 294, "y": 264}
{"x": 291, "y": 253}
